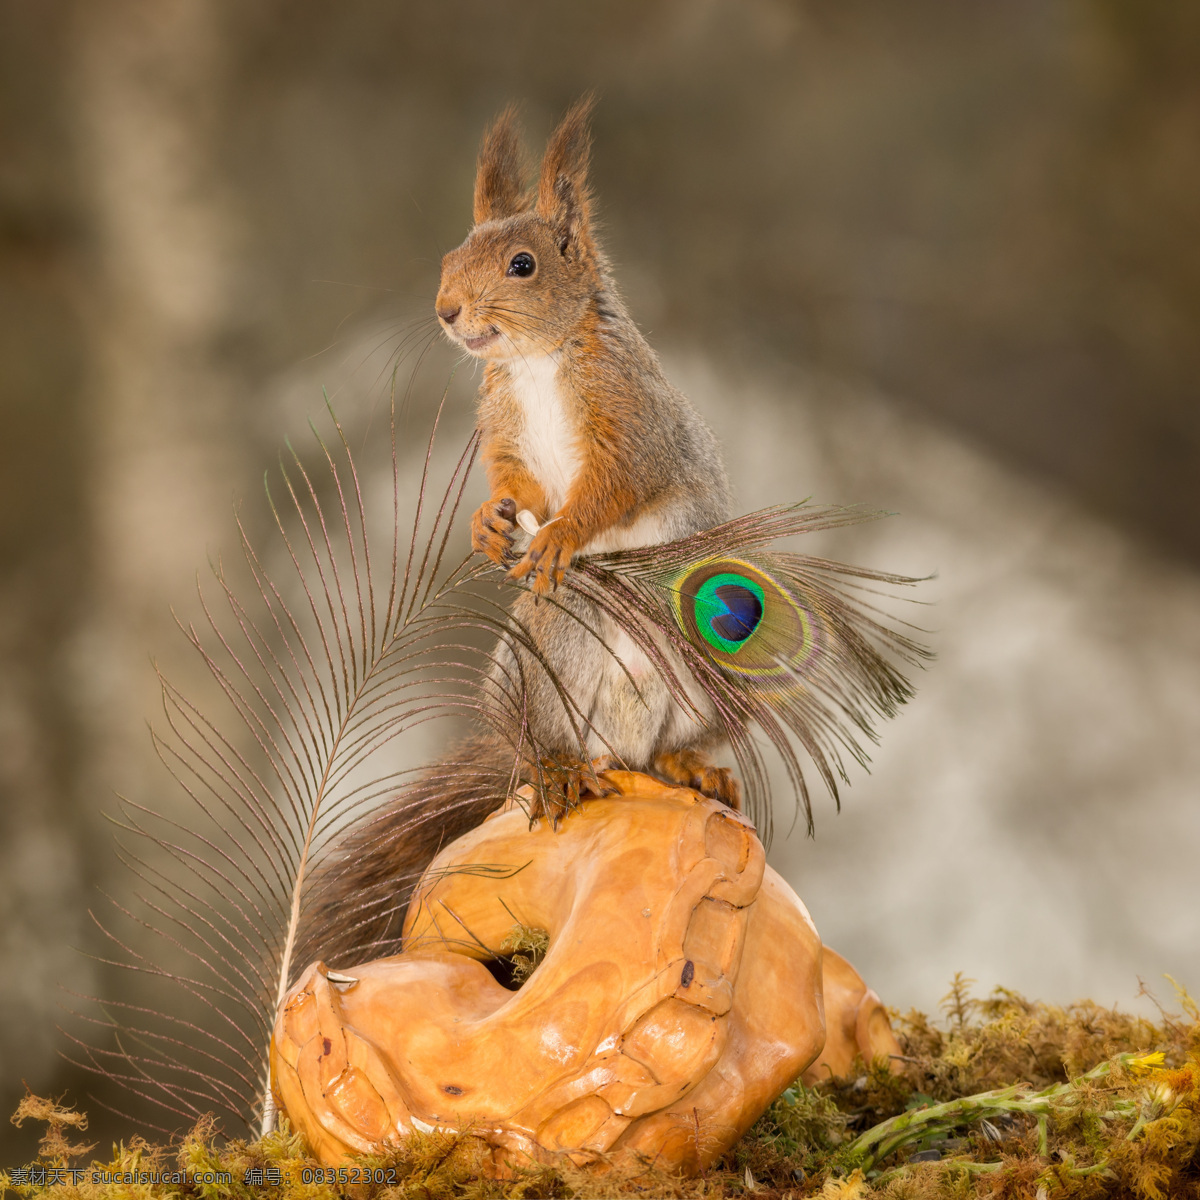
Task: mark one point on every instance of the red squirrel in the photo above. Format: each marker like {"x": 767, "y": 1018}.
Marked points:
{"x": 580, "y": 428}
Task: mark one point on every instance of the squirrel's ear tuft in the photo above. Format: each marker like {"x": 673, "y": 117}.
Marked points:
{"x": 563, "y": 197}
{"x": 500, "y": 176}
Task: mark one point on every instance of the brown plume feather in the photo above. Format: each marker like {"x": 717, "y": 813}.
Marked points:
{"x": 326, "y": 662}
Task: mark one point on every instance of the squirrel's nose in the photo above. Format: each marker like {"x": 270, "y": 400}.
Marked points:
{"x": 449, "y": 315}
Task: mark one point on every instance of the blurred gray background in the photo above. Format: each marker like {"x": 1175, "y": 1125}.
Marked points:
{"x": 941, "y": 258}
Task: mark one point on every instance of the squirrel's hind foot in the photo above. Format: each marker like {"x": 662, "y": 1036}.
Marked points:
{"x": 694, "y": 769}
{"x": 564, "y": 783}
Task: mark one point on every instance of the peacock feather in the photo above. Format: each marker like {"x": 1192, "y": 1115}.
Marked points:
{"x": 790, "y": 645}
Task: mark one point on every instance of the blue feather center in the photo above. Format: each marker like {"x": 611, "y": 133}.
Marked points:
{"x": 728, "y": 609}
{"x": 743, "y": 611}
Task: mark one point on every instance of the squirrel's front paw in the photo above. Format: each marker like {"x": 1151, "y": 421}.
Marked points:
{"x": 492, "y": 530}
{"x": 548, "y": 557}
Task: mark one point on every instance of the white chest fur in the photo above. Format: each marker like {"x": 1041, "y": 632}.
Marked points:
{"x": 549, "y": 438}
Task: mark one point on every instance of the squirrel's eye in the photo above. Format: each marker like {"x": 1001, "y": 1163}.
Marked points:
{"x": 522, "y": 265}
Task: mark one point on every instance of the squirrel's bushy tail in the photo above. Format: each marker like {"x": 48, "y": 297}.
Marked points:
{"x": 364, "y": 891}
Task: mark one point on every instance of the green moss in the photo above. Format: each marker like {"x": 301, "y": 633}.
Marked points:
{"x": 525, "y": 948}
{"x": 1014, "y": 1098}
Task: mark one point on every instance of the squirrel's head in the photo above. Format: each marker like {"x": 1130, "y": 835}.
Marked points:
{"x": 521, "y": 282}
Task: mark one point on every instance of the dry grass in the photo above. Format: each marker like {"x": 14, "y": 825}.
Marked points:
{"x": 1001, "y": 1098}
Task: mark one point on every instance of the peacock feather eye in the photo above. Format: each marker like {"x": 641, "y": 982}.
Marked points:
{"x": 748, "y": 621}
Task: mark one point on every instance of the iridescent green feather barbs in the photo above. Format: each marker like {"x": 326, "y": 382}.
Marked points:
{"x": 790, "y": 645}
